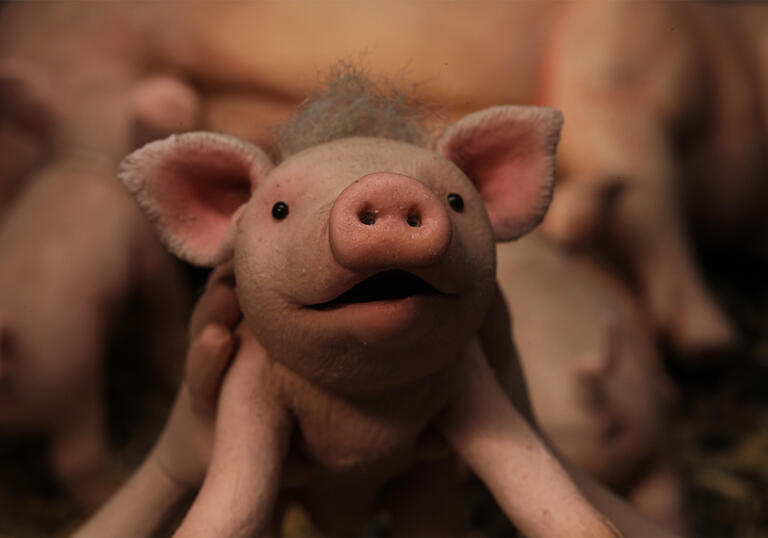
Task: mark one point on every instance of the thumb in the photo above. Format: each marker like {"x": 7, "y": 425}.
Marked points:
{"x": 218, "y": 304}
{"x": 207, "y": 360}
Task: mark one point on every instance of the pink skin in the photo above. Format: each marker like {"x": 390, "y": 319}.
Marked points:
{"x": 362, "y": 375}
{"x": 598, "y": 389}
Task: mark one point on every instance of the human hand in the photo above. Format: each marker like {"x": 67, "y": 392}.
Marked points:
{"x": 183, "y": 449}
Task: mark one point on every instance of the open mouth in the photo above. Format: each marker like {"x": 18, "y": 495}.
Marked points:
{"x": 385, "y": 286}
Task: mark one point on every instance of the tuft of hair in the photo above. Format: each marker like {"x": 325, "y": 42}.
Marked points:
{"x": 353, "y": 104}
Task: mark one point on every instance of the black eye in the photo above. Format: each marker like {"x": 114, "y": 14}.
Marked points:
{"x": 280, "y": 210}
{"x": 456, "y": 202}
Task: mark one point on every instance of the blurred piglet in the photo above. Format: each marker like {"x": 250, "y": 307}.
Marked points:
{"x": 596, "y": 381}
{"x": 93, "y": 92}
{"x": 666, "y": 135}
{"x": 75, "y": 252}
{"x": 365, "y": 268}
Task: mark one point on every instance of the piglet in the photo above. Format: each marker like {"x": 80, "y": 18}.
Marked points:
{"x": 597, "y": 384}
{"x": 365, "y": 269}
{"x": 76, "y": 256}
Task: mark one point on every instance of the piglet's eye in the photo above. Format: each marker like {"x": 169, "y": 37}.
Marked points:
{"x": 280, "y": 210}
{"x": 456, "y": 202}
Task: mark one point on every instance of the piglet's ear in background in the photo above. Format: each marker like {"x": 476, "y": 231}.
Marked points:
{"x": 161, "y": 105}
{"x": 27, "y": 97}
{"x": 509, "y": 154}
{"x": 190, "y": 186}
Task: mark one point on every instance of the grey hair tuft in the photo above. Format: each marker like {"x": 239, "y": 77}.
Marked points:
{"x": 353, "y": 104}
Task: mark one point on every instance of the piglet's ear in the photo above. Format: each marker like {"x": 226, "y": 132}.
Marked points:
{"x": 509, "y": 154}
{"x": 190, "y": 186}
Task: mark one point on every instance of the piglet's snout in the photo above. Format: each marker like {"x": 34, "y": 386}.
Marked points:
{"x": 387, "y": 220}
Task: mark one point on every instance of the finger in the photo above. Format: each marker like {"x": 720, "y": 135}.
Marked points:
{"x": 218, "y": 303}
{"x": 207, "y": 361}
{"x": 245, "y": 338}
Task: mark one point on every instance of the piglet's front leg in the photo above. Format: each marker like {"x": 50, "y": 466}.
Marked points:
{"x": 250, "y": 442}
{"x": 524, "y": 476}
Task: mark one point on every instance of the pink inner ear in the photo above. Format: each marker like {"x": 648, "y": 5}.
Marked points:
{"x": 210, "y": 182}
{"x": 190, "y": 186}
{"x": 509, "y": 154}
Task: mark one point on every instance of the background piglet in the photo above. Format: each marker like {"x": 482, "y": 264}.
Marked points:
{"x": 597, "y": 385}
{"x": 76, "y": 256}
{"x": 666, "y": 135}
{"x": 65, "y": 289}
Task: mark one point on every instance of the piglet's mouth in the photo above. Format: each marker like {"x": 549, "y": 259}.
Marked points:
{"x": 384, "y": 286}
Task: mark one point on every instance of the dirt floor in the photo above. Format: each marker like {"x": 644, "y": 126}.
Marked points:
{"x": 720, "y": 433}
{"x": 721, "y": 427}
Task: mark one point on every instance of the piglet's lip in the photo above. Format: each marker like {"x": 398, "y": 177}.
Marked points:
{"x": 384, "y": 286}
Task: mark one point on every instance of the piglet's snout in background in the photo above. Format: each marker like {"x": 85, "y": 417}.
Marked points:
{"x": 386, "y": 220}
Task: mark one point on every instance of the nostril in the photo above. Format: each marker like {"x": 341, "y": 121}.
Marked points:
{"x": 387, "y": 220}
{"x": 367, "y": 218}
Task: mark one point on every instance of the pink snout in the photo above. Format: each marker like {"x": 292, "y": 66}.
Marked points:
{"x": 386, "y": 220}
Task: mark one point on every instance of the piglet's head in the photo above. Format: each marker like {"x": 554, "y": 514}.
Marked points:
{"x": 361, "y": 263}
